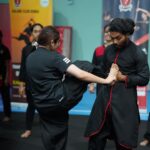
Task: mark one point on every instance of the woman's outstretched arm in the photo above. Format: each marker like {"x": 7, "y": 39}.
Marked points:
{"x": 86, "y": 76}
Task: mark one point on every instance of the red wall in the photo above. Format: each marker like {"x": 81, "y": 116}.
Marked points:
{"x": 5, "y": 24}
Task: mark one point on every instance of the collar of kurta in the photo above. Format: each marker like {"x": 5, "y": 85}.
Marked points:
{"x": 124, "y": 46}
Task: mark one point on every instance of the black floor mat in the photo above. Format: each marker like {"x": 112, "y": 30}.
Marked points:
{"x": 10, "y": 134}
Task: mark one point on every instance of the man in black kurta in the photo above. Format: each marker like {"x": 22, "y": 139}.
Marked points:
{"x": 115, "y": 113}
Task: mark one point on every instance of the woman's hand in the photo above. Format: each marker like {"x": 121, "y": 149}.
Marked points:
{"x": 91, "y": 88}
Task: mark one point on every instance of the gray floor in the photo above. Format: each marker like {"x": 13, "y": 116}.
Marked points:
{"x": 10, "y": 134}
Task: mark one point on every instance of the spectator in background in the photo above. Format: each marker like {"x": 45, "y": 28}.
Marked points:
{"x": 98, "y": 55}
{"x": 4, "y": 79}
{"x": 27, "y": 50}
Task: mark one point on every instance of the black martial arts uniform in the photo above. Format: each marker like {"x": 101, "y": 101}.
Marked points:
{"x": 27, "y": 50}
{"x": 115, "y": 113}
{"x": 53, "y": 94}
{"x": 5, "y": 88}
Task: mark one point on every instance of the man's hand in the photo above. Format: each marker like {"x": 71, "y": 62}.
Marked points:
{"x": 91, "y": 88}
{"x": 121, "y": 77}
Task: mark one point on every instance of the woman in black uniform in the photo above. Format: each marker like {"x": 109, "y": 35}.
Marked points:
{"x": 27, "y": 50}
{"x": 53, "y": 93}
{"x": 115, "y": 113}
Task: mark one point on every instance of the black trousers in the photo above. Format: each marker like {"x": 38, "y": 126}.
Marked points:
{"x": 99, "y": 144}
{"x": 5, "y": 92}
{"x": 30, "y": 112}
{"x": 54, "y": 128}
{"x": 147, "y": 134}
{"x": 98, "y": 141}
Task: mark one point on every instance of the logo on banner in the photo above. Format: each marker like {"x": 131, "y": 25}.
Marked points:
{"x": 125, "y": 5}
{"x": 17, "y": 3}
{"x": 44, "y": 3}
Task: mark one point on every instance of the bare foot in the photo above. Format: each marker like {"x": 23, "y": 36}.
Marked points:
{"x": 114, "y": 70}
{"x": 144, "y": 143}
{"x": 112, "y": 74}
{"x": 26, "y": 134}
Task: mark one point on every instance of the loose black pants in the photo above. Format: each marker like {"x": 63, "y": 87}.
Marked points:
{"x": 54, "y": 128}
{"x": 30, "y": 112}
{"x": 98, "y": 141}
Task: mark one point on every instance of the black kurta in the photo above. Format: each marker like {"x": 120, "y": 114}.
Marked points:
{"x": 121, "y": 99}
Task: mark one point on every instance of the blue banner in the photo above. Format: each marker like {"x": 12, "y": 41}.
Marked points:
{"x": 138, "y": 10}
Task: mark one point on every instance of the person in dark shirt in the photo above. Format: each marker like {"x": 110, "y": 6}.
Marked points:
{"x": 27, "y": 50}
{"x": 4, "y": 78}
{"x": 115, "y": 112}
{"x": 53, "y": 91}
{"x": 98, "y": 55}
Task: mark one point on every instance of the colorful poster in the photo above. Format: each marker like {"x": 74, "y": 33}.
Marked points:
{"x": 23, "y": 14}
{"x": 65, "y": 40}
{"x": 139, "y": 11}
{"x": 141, "y": 92}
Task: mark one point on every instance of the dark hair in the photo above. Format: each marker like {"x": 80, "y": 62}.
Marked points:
{"x": 106, "y": 26}
{"x": 36, "y": 24}
{"x": 124, "y": 26}
{"x": 131, "y": 25}
{"x": 1, "y": 34}
{"x": 47, "y": 34}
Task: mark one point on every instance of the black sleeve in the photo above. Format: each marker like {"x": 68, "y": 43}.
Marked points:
{"x": 61, "y": 63}
{"x": 22, "y": 66}
{"x": 94, "y": 58}
{"x": 100, "y": 70}
{"x": 141, "y": 78}
{"x": 7, "y": 54}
